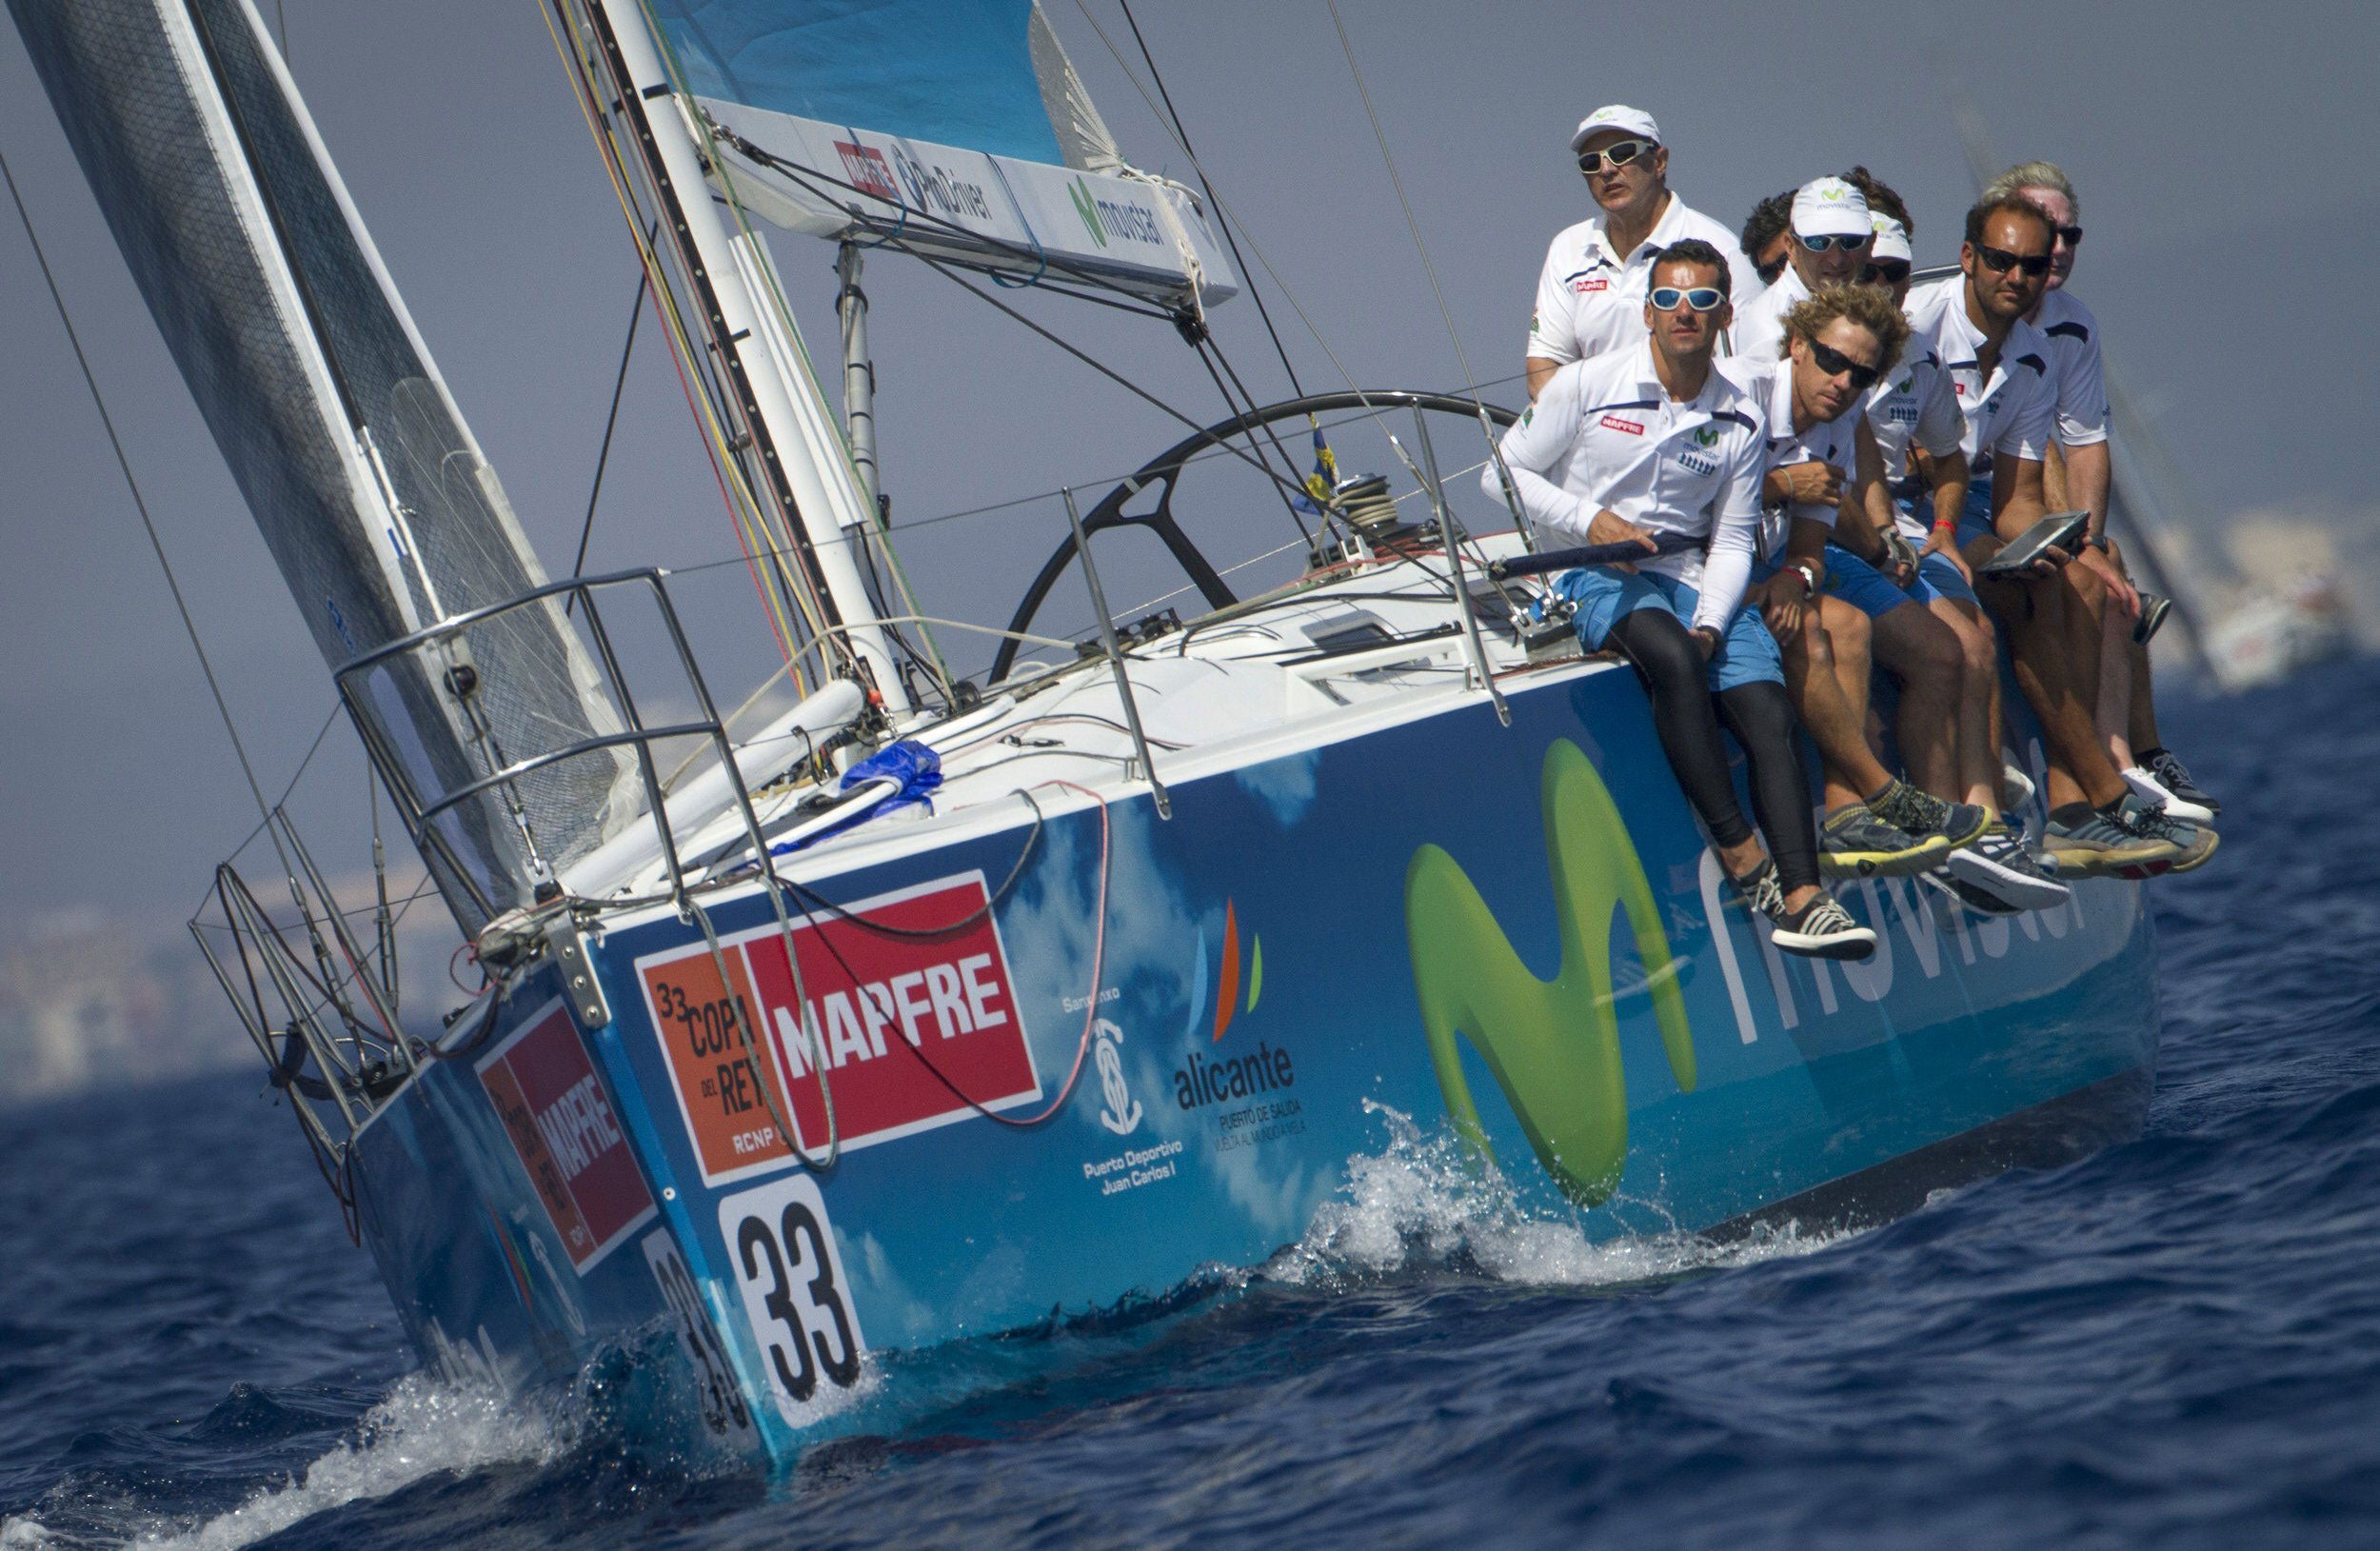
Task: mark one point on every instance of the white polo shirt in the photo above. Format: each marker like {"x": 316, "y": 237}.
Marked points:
{"x": 1591, "y": 300}
{"x": 2012, "y": 414}
{"x": 1605, "y": 435}
{"x": 1760, "y": 332}
{"x": 1770, "y": 386}
{"x": 1914, "y": 406}
{"x": 2082, "y": 392}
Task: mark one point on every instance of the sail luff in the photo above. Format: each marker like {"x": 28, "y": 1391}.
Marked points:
{"x": 370, "y": 493}
{"x": 811, "y": 482}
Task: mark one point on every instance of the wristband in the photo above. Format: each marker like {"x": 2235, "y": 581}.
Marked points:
{"x": 1941, "y": 523}
{"x": 1809, "y": 575}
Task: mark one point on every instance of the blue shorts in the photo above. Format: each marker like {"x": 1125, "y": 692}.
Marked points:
{"x": 1975, "y": 519}
{"x": 1747, "y": 652}
{"x": 1873, "y": 593}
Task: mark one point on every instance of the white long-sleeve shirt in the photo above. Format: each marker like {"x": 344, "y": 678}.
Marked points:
{"x": 1605, "y": 435}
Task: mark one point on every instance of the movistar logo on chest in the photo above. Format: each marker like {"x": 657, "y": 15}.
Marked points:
{"x": 1697, "y": 463}
{"x": 1706, "y": 436}
{"x": 1123, "y": 220}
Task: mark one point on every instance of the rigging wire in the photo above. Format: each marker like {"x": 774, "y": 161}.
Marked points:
{"x": 1182, "y": 135}
{"x": 612, "y": 422}
{"x": 149, "y": 524}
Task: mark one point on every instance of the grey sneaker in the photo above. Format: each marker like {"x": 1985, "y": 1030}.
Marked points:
{"x": 2087, "y": 844}
{"x": 1855, "y": 842}
{"x": 1999, "y": 868}
{"x": 1760, "y": 889}
{"x": 1922, "y": 813}
{"x": 2174, "y": 777}
{"x": 1821, "y": 929}
{"x": 2194, "y": 844}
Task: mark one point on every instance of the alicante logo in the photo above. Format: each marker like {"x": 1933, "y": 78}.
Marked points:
{"x": 1088, "y": 209}
{"x": 1553, "y": 1045}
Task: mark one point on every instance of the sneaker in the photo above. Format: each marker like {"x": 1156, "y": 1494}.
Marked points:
{"x": 1960, "y": 892}
{"x": 1821, "y": 929}
{"x": 2194, "y": 844}
{"x": 1855, "y": 842}
{"x": 2154, "y": 607}
{"x": 1760, "y": 889}
{"x": 1921, "y": 813}
{"x": 2016, "y": 788}
{"x": 1999, "y": 867}
{"x": 2087, "y": 844}
{"x": 2174, "y": 777}
{"x": 2155, "y": 792}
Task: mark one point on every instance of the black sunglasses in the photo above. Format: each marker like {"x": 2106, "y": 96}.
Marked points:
{"x": 2071, "y": 234}
{"x": 1836, "y": 364}
{"x": 1619, "y": 153}
{"x": 1997, "y": 259}
{"x": 1885, "y": 273}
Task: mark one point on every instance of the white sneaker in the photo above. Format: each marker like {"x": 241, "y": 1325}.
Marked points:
{"x": 2150, "y": 789}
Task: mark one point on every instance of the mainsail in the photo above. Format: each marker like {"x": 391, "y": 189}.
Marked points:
{"x": 370, "y": 493}
{"x": 958, "y": 126}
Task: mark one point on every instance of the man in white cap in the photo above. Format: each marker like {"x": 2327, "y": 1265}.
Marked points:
{"x": 1830, "y": 243}
{"x": 1591, "y": 292}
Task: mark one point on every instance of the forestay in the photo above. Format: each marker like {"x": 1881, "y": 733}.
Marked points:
{"x": 958, "y": 125}
{"x": 369, "y": 490}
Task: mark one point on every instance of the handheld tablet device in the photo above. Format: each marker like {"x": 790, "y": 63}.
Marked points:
{"x": 2059, "y": 531}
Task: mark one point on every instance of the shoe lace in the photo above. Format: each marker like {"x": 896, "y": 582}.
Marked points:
{"x": 2155, "y": 824}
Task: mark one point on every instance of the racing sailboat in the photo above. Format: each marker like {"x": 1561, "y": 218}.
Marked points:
{"x": 922, "y": 1008}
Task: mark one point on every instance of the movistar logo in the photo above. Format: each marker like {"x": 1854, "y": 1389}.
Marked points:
{"x": 1088, "y": 209}
{"x": 1706, "y": 436}
{"x": 1554, "y": 1046}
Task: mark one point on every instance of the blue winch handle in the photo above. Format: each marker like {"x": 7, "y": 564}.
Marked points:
{"x": 1592, "y": 554}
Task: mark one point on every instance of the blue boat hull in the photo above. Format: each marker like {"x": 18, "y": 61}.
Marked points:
{"x": 1514, "y": 932}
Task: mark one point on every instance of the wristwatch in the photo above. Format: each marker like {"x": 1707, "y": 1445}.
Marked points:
{"x": 1809, "y": 576}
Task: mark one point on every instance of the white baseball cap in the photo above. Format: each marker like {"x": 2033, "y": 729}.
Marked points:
{"x": 1829, "y": 208}
{"x": 1892, "y": 238}
{"x": 1616, "y": 116}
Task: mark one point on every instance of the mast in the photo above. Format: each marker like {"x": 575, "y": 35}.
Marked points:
{"x": 805, "y": 469}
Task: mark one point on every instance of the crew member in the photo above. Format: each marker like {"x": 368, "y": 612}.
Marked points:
{"x": 1838, "y": 341}
{"x": 1766, "y": 231}
{"x": 1913, "y": 408}
{"x": 1652, "y": 440}
{"x": 1831, "y": 233}
{"x": 1591, "y": 293}
{"x": 2081, "y": 478}
{"x": 1999, "y": 367}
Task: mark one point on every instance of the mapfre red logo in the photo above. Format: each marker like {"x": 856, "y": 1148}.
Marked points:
{"x": 874, "y": 1015}
{"x": 867, "y": 171}
{"x": 1615, "y": 423}
{"x": 1582, "y": 286}
{"x": 568, "y": 1138}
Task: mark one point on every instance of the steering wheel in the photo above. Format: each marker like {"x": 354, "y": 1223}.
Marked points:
{"x": 1165, "y": 470}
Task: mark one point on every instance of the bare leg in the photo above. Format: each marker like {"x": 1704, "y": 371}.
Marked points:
{"x": 1831, "y": 704}
{"x": 1925, "y": 656}
{"x": 2116, "y": 685}
{"x": 2034, "y": 614}
{"x": 2143, "y": 722}
{"x": 1978, "y": 704}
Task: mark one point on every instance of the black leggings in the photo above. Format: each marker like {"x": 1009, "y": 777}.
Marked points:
{"x": 1677, "y": 680}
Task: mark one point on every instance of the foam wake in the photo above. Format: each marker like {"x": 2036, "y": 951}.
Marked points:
{"x": 1426, "y": 1202}
{"x": 426, "y": 1427}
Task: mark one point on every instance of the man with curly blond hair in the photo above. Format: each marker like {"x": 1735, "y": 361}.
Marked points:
{"x": 1836, "y": 344}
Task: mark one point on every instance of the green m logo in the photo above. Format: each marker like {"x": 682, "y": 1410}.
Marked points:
{"x": 1553, "y": 1045}
{"x": 1086, "y": 207}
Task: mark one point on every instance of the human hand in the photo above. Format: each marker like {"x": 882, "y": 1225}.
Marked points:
{"x": 1944, "y": 542}
{"x": 1707, "y": 640}
{"x": 1781, "y": 600}
{"x": 1611, "y": 528}
{"x": 2122, "y": 591}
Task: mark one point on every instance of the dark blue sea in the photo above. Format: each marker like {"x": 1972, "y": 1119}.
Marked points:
{"x": 2175, "y": 1342}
